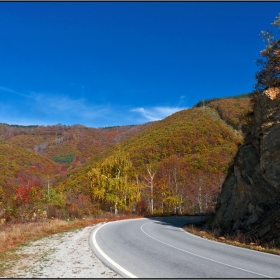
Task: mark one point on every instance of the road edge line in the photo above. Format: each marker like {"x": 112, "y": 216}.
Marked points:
{"x": 95, "y": 248}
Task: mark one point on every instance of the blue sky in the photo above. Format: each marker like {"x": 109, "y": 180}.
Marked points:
{"x": 120, "y": 63}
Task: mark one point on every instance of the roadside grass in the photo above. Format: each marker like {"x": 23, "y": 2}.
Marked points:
{"x": 13, "y": 236}
{"x": 239, "y": 240}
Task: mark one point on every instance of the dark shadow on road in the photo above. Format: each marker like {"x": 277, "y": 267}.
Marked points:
{"x": 177, "y": 221}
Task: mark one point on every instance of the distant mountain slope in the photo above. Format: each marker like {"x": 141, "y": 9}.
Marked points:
{"x": 59, "y": 140}
{"x": 15, "y": 159}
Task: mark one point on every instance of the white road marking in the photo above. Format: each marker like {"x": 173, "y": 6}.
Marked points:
{"x": 109, "y": 259}
{"x": 201, "y": 256}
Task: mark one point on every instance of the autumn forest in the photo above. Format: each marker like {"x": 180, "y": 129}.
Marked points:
{"x": 173, "y": 166}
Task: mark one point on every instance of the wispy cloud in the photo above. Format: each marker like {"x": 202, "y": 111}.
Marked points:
{"x": 65, "y": 107}
{"x": 156, "y": 113}
{"x": 45, "y": 108}
{"x": 14, "y": 92}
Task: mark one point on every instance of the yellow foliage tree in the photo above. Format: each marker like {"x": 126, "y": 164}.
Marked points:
{"x": 114, "y": 182}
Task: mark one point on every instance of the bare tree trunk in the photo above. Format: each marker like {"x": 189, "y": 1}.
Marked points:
{"x": 48, "y": 188}
{"x": 176, "y": 189}
{"x": 181, "y": 201}
{"x": 199, "y": 195}
{"x": 150, "y": 181}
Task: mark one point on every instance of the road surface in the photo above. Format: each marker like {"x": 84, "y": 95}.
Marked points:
{"x": 160, "y": 248}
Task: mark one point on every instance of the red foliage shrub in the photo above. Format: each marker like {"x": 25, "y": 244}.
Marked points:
{"x": 141, "y": 207}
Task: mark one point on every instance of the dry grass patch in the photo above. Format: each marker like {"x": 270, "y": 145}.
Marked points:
{"x": 14, "y": 235}
{"x": 238, "y": 240}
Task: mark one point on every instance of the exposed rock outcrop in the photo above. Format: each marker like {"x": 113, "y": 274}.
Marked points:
{"x": 252, "y": 188}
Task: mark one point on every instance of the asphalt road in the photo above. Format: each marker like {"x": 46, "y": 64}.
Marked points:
{"x": 160, "y": 248}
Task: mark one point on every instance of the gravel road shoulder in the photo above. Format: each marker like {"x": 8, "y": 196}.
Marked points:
{"x": 62, "y": 255}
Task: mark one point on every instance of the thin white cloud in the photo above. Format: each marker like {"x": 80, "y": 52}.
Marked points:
{"x": 59, "y": 102}
{"x": 67, "y": 107}
{"x": 14, "y": 92}
{"x": 156, "y": 113}
{"x": 46, "y": 108}
{"x": 56, "y": 102}
{"x": 148, "y": 114}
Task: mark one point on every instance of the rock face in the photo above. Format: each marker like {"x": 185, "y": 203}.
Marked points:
{"x": 252, "y": 186}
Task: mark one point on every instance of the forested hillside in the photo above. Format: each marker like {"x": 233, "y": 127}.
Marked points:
{"x": 34, "y": 159}
{"x": 24, "y": 175}
{"x": 235, "y": 112}
{"x": 60, "y": 140}
{"x": 179, "y": 163}
{"x": 176, "y": 165}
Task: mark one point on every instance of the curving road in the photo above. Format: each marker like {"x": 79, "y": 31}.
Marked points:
{"x": 160, "y": 248}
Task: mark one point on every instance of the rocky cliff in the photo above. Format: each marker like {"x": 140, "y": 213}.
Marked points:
{"x": 250, "y": 197}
